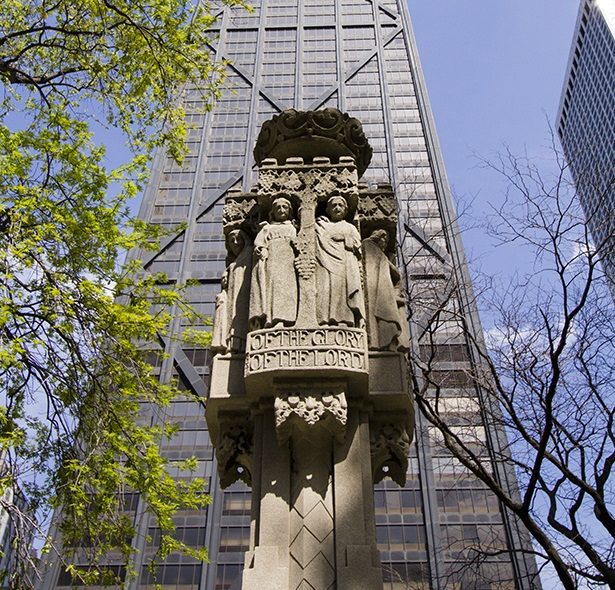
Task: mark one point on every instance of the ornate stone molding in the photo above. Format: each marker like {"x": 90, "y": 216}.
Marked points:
{"x": 390, "y": 445}
{"x": 327, "y": 132}
{"x": 234, "y": 452}
{"x": 299, "y": 181}
{"x": 377, "y": 209}
{"x": 307, "y": 410}
{"x": 240, "y": 212}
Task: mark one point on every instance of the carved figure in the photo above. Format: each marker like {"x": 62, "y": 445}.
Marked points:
{"x": 274, "y": 282}
{"x": 231, "y": 315}
{"x": 339, "y": 294}
{"x": 219, "y": 338}
{"x": 386, "y": 322}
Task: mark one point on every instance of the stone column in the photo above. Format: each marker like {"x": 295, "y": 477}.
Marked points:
{"x": 311, "y": 414}
{"x": 358, "y": 560}
{"x": 310, "y": 420}
{"x": 267, "y": 564}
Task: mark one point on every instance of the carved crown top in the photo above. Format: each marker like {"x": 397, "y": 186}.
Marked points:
{"x": 309, "y": 134}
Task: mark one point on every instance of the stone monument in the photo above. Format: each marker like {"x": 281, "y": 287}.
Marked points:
{"x": 309, "y": 401}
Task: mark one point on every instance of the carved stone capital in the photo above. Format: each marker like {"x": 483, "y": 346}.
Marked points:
{"x": 234, "y": 451}
{"x": 307, "y": 134}
{"x": 305, "y": 411}
{"x": 390, "y": 445}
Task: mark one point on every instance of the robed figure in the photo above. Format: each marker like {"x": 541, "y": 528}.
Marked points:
{"x": 231, "y": 315}
{"x": 274, "y": 282}
{"x": 339, "y": 293}
{"x": 386, "y": 322}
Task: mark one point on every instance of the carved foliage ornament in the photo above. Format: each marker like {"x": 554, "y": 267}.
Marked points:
{"x": 327, "y": 132}
{"x": 240, "y": 211}
{"x": 378, "y": 210}
{"x": 304, "y": 410}
{"x": 321, "y": 179}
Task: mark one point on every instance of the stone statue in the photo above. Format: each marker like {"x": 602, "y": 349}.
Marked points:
{"x": 232, "y": 303}
{"x": 274, "y": 282}
{"x": 219, "y": 340}
{"x": 339, "y": 294}
{"x": 386, "y": 323}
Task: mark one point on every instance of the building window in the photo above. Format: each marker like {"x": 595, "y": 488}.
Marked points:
{"x": 234, "y": 539}
{"x": 109, "y": 575}
{"x": 408, "y": 537}
{"x": 237, "y": 504}
{"x": 185, "y": 574}
{"x": 191, "y": 536}
{"x": 227, "y": 575}
{"x": 401, "y": 576}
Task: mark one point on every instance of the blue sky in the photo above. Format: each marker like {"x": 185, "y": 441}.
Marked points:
{"x": 494, "y": 71}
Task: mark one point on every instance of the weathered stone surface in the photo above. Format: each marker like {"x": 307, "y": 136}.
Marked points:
{"x": 328, "y": 132}
{"x": 386, "y": 304}
{"x": 390, "y": 445}
{"x": 315, "y": 406}
{"x": 312, "y": 549}
{"x": 266, "y": 567}
{"x": 388, "y": 380}
{"x": 360, "y": 568}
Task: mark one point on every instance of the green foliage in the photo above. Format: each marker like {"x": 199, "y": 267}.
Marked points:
{"x": 72, "y": 376}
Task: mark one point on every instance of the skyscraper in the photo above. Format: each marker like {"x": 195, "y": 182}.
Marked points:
{"x": 586, "y": 121}
{"x": 359, "y": 56}
{"x": 15, "y": 523}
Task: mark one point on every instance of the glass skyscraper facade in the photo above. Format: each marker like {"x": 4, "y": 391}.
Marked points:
{"x": 358, "y": 56}
{"x": 586, "y": 122}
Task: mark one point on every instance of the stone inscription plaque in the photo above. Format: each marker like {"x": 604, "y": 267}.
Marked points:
{"x": 322, "y": 348}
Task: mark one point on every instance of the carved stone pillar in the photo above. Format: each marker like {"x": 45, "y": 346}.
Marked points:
{"x": 310, "y": 422}
{"x": 313, "y": 411}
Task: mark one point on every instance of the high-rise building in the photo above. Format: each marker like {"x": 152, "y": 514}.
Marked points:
{"x": 15, "y": 523}
{"x": 359, "y": 56}
{"x": 7, "y": 534}
{"x": 586, "y": 122}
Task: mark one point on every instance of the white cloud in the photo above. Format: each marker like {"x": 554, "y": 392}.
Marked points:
{"x": 607, "y": 7}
